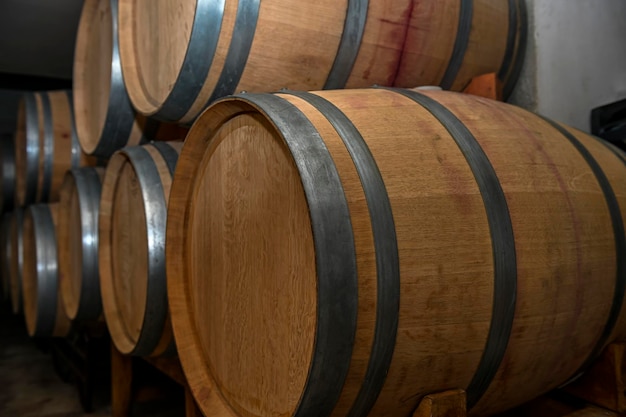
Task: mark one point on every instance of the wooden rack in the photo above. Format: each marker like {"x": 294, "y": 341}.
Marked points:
{"x": 600, "y": 392}
{"x": 81, "y": 358}
{"x": 124, "y": 393}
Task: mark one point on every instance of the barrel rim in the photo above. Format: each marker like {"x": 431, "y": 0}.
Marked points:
{"x": 155, "y": 212}
{"x": 85, "y": 183}
{"x": 203, "y": 39}
{"x": 119, "y": 117}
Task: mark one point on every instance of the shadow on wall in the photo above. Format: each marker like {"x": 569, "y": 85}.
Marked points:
{"x": 8, "y": 112}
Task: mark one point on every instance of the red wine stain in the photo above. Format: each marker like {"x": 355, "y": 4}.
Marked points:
{"x": 403, "y": 35}
{"x": 545, "y": 158}
{"x": 396, "y": 35}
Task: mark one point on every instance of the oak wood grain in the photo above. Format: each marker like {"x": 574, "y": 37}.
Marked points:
{"x": 92, "y": 71}
{"x": 35, "y": 240}
{"x": 124, "y": 249}
{"x": 72, "y": 239}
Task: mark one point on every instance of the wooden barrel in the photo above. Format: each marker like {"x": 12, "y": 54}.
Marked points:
{"x": 105, "y": 118}
{"x": 133, "y": 212}
{"x": 43, "y": 312}
{"x": 5, "y": 255}
{"x": 77, "y": 243}
{"x": 46, "y": 146}
{"x": 465, "y": 39}
{"x": 17, "y": 260}
{"x": 178, "y": 56}
{"x": 361, "y": 249}
{"x": 7, "y": 173}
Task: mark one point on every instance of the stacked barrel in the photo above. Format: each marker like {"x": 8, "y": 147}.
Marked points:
{"x": 328, "y": 240}
{"x": 46, "y": 145}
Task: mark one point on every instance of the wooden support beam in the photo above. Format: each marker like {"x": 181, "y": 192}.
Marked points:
{"x": 558, "y": 406}
{"x": 486, "y": 85}
{"x": 121, "y": 383}
{"x": 171, "y": 367}
{"x": 444, "y": 404}
{"x": 603, "y": 383}
{"x": 124, "y": 393}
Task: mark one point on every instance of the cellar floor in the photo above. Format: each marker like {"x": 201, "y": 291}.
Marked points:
{"x": 30, "y": 386}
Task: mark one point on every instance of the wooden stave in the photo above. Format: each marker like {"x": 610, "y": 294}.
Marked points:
{"x": 155, "y": 338}
{"x": 182, "y": 105}
{"x": 175, "y": 250}
{"x": 43, "y": 313}
{"x": 86, "y": 183}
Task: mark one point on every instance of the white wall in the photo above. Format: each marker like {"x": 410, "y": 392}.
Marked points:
{"x": 576, "y": 58}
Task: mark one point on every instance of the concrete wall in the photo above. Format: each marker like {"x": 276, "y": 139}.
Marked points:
{"x": 576, "y": 58}
{"x": 37, "y": 36}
